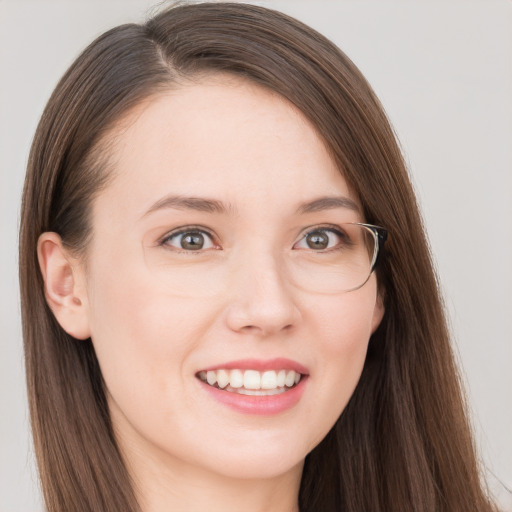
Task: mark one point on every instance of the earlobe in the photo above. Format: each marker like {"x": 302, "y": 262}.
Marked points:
{"x": 378, "y": 312}
{"x": 63, "y": 285}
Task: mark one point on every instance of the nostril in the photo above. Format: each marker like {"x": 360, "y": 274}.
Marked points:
{"x": 263, "y": 310}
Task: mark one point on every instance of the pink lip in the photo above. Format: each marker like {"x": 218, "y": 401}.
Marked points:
{"x": 261, "y": 365}
{"x": 258, "y": 405}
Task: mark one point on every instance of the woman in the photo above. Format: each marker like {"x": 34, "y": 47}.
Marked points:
{"x": 219, "y": 320}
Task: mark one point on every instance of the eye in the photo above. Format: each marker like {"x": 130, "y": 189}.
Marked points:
{"x": 189, "y": 240}
{"x": 320, "y": 239}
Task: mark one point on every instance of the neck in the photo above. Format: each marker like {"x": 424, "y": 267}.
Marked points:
{"x": 164, "y": 483}
{"x": 179, "y": 487}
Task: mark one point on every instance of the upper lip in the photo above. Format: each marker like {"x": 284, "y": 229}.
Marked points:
{"x": 278, "y": 363}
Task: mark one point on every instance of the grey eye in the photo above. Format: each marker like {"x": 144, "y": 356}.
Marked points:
{"x": 319, "y": 239}
{"x": 190, "y": 240}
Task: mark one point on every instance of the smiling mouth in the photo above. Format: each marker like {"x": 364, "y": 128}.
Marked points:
{"x": 251, "y": 382}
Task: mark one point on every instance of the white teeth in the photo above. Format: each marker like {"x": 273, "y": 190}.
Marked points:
{"x": 269, "y": 380}
{"x": 252, "y": 379}
{"x": 290, "y": 378}
{"x": 251, "y": 382}
{"x": 211, "y": 377}
{"x": 236, "y": 379}
{"x": 222, "y": 378}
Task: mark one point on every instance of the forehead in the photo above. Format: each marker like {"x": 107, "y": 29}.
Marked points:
{"x": 221, "y": 137}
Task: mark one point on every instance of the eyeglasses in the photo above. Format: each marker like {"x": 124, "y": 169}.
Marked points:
{"x": 326, "y": 260}
{"x": 345, "y": 268}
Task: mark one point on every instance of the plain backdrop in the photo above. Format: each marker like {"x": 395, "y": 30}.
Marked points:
{"x": 443, "y": 71}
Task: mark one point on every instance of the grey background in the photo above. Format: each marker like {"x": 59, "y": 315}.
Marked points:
{"x": 443, "y": 71}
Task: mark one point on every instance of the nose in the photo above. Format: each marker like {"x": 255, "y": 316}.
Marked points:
{"x": 261, "y": 300}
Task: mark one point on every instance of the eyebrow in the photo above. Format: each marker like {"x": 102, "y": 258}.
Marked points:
{"x": 201, "y": 204}
{"x": 328, "y": 203}
{"x": 208, "y": 205}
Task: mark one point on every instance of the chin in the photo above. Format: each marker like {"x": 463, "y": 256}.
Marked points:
{"x": 250, "y": 460}
{"x": 258, "y": 468}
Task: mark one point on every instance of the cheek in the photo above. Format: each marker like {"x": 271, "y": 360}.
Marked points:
{"x": 345, "y": 323}
{"x": 343, "y": 328}
{"x": 142, "y": 333}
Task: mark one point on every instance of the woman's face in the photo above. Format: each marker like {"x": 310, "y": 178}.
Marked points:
{"x": 189, "y": 272}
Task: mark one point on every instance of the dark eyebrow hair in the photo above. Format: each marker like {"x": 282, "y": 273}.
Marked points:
{"x": 328, "y": 203}
{"x": 201, "y": 204}
{"x": 204, "y": 204}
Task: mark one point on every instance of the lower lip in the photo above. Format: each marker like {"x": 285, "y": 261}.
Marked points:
{"x": 259, "y": 405}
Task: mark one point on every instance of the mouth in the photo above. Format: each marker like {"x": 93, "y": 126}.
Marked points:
{"x": 251, "y": 382}
{"x": 256, "y": 386}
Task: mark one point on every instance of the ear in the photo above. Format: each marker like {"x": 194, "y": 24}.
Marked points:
{"x": 64, "y": 285}
{"x": 378, "y": 312}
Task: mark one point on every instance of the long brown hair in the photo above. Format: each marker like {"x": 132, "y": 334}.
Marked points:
{"x": 403, "y": 442}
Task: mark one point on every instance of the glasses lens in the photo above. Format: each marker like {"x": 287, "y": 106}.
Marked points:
{"x": 344, "y": 267}
{"x": 329, "y": 261}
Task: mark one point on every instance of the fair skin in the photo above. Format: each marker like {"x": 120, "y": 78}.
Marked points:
{"x": 224, "y": 139}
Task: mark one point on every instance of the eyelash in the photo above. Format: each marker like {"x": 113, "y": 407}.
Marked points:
{"x": 183, "y": 231}
{"x": 199, "y": 229}
{"x": 327, "y": 228}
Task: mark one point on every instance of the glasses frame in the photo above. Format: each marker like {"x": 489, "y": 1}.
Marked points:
{"x": 380, "y": 234}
